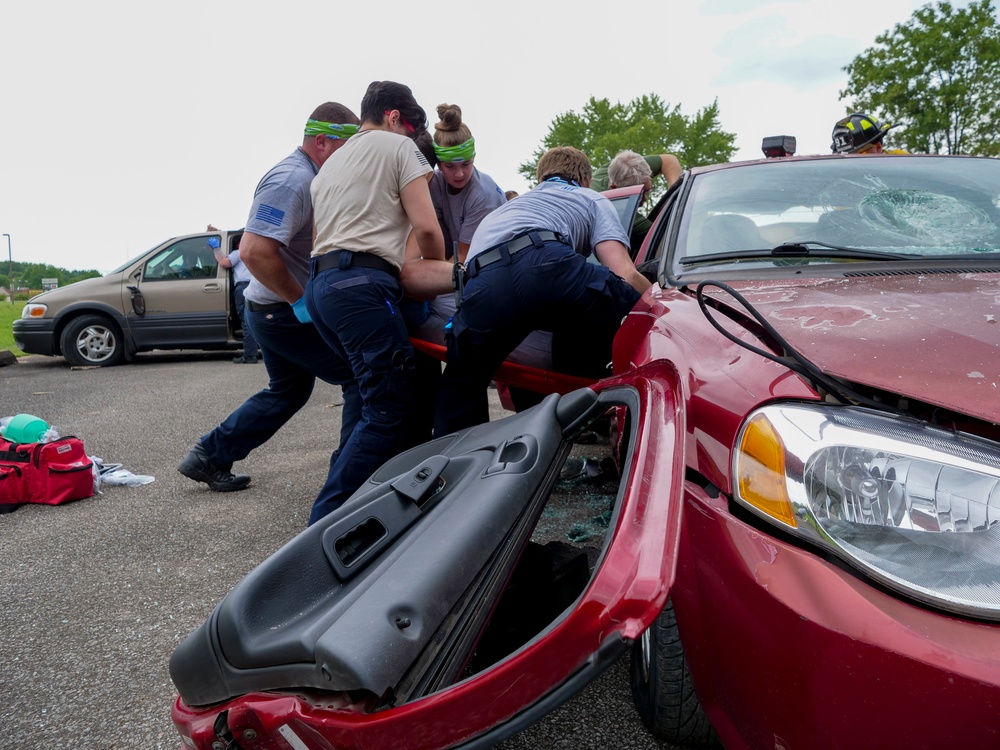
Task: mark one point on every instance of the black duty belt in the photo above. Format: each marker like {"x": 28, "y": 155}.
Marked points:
{"x": 348, "y": 259}
{"x": 257, "y": 307}
{"x": 511, "y": 247}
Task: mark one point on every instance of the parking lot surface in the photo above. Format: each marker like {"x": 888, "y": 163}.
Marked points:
{"x": 97, "y": 593}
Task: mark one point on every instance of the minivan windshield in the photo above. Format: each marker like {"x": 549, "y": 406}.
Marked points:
{"x": 131, "y": 262}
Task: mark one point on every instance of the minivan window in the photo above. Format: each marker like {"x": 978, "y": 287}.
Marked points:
{"x": 191, "y": 258}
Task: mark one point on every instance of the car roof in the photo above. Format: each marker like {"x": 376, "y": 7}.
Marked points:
{"x": 822, "y": 157}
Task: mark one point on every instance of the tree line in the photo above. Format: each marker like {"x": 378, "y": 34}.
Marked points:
{"x": 935, "y": 78}
{"x": 30, "y": 275}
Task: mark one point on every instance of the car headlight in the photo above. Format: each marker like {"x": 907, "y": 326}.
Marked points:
{"x": 914, "y": 506}
{"x": 34, "y": 310}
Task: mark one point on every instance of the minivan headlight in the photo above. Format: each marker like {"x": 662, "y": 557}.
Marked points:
{"x": 34, "y": 310}
{"x": 914, "y": 506}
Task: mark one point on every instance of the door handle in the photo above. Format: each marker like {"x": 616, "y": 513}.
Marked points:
{"x": 211, "y": 288}
{"x": 515, "y": 456}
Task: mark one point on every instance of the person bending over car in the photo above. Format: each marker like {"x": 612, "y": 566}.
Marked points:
{"x": 667, "y": 165}
{"x": 527, "y": 269}
{"x": 462, "y": 196}
{"x": 629, "y": 168}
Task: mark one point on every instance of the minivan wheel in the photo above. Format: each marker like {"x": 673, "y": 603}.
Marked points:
{"x": 662, "y": 689}
{"x": 92, "y": 340}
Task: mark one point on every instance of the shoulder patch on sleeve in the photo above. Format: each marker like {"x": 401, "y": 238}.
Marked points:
{"x": 269, "y": 215}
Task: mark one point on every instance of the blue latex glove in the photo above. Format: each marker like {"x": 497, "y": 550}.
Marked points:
{"x": 301, "y": 313}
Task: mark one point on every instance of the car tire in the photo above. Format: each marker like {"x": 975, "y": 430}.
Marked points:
{"x": 662, "y": 689}
{"x": 92, "y": 340}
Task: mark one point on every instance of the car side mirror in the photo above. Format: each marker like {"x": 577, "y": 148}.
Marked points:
{"x": 138, "y": 301}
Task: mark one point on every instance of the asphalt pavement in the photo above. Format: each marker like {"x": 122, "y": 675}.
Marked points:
{"x": 96, "y": 594}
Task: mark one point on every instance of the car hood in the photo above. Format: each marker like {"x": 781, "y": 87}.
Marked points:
{"x": 928, "y": 336}
{"x": 72, "y": 290}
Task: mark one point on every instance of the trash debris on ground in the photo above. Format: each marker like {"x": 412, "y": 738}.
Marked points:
{"x": 589, "y": 469}
{"x": 114, "y": 475}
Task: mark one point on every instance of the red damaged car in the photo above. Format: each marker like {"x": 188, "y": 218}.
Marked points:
{"x": 799, "y": 518}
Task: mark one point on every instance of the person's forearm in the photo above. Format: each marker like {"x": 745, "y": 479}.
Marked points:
{"x": 424, "y": 279}
{"x": 273, "y": 274}
{"x": 223, "y": 259}
{"x": 614, "y": 255}
{"x": 419, "y": 208}
{"x": 670, "y": 168}
{"x": 430, "y": 241}
{"x": 637, "y": 281}
{"x": 262, "y": 259}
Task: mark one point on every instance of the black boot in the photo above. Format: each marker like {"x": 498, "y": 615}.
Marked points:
{"x": 196, "y": 466}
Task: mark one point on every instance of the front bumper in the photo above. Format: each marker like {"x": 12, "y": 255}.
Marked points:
{"x": 36, "y": 336}
{"x": 789, "y": 650}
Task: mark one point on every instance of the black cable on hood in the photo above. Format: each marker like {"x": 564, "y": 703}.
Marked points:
{"x": 793, "y": 360}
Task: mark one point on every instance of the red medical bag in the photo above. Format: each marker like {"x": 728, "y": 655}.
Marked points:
{"x": 50, "y": 473}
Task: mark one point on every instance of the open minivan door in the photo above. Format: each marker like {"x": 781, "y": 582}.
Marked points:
{"x": 441, "y": 606}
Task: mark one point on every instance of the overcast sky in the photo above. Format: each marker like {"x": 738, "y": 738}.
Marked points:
{"x": 126, "y": 123}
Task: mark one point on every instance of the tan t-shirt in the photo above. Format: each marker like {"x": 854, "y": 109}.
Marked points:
{"x": 355, "y": 196}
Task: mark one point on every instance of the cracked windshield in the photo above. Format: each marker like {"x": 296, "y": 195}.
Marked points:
{"x": 899, "y": 205}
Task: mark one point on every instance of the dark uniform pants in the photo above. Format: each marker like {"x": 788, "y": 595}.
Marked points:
{"x": 547, "y": 286}
{"x": 294, "y": 355}
{"x": 356, "y": 311}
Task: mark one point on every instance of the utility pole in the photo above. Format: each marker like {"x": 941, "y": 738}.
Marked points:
{"x": 10, "y": 260}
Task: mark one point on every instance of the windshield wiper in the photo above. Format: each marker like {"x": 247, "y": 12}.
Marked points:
{"x": 790, "y": 357}
{"x": 804, "y": 249}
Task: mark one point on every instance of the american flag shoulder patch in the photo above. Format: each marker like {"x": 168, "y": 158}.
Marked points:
{"x": 269, "y": 215}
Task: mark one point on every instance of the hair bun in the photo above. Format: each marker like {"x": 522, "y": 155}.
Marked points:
{"x": 450, "y": 116}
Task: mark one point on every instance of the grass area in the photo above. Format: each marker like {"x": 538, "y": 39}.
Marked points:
{"x": 8, "y": 314}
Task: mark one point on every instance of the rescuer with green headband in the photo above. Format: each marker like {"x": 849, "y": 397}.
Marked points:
{"x": 330, "y": 129}
{"x": 462, "y": 152}
{"x": 275, "y": 246}
{"x": 462, "y": 197}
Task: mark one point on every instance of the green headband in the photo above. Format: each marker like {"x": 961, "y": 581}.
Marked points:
{"x": 330, "y": 130}
{"x": 462, "y": 152}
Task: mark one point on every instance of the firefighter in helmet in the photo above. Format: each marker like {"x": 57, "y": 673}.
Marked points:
{"x": 858, "y": 133}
